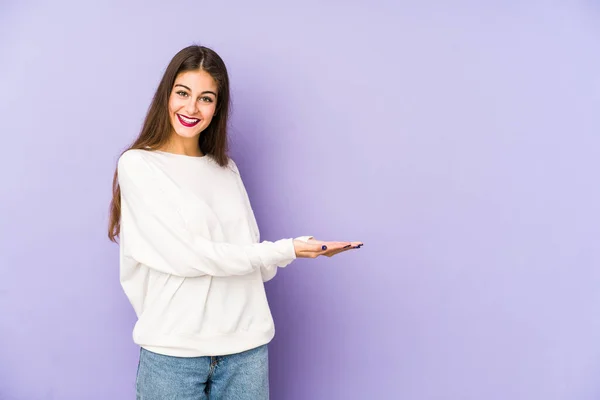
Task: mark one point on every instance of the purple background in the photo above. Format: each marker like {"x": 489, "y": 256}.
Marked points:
{"x": 459, "y": 141}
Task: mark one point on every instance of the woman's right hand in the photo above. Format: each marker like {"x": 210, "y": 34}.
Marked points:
{"x": 313, "y": 248}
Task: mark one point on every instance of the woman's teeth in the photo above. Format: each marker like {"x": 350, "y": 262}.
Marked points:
{"x": 187, "y": 121}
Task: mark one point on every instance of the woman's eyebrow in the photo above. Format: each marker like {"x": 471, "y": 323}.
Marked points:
{"x": 205, "y": 92}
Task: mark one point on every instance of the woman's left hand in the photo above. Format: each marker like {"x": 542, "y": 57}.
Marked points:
{"x": 312, "y": 248}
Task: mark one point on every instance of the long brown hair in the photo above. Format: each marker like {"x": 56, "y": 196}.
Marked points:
{"x": 157, "y": 127}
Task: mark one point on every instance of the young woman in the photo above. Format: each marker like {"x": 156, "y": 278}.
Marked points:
{"x": 191, "y": 261}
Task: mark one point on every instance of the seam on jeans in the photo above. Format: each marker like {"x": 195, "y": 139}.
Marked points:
{"x": 213, "y": 364}
{"x": 137, "y": 375}
{"x": 211, "y": 370}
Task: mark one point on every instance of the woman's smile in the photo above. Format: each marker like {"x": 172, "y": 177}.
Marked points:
{"x": 187, "y": 121}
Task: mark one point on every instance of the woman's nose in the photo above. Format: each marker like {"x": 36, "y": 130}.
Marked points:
{"x": 191, "y": 107}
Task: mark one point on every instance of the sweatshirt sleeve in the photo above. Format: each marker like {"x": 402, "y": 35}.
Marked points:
{"x": 268, "y": 272}
{"x": 154, "y": 234}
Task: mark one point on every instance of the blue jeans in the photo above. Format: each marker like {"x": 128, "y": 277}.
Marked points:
{"x": 241, "y": 376}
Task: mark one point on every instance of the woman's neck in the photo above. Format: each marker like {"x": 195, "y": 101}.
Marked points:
{"x": 186, "y": 148}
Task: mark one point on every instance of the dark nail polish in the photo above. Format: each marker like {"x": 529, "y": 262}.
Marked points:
{"x": 324, "y": 247}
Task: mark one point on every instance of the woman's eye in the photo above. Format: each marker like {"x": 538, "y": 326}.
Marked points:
{"x": 206, "y": 99}
{"x": 182, "y": 93}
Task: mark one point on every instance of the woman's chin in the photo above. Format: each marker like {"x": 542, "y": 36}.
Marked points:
{"x": 187, "y": 133}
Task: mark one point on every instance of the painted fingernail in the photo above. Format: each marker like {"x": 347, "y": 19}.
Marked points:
{"x": 323, "y": 247}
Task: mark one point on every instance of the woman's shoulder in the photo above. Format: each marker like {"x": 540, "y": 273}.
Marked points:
{"x": 140, "y": 158}
{"x": 137, "y": 161}
{"x": 134, "y": 153}
{"x": 232, "y": 165}
{"x": 132, "y": 157}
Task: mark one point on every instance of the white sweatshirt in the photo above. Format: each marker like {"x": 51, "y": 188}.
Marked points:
{"x": 190, "y": 259}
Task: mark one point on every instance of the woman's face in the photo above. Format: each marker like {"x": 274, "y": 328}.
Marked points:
{"x": 192, "y": 103}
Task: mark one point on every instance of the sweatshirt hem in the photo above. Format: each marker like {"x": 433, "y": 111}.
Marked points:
{"x": 198, "y": 346}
